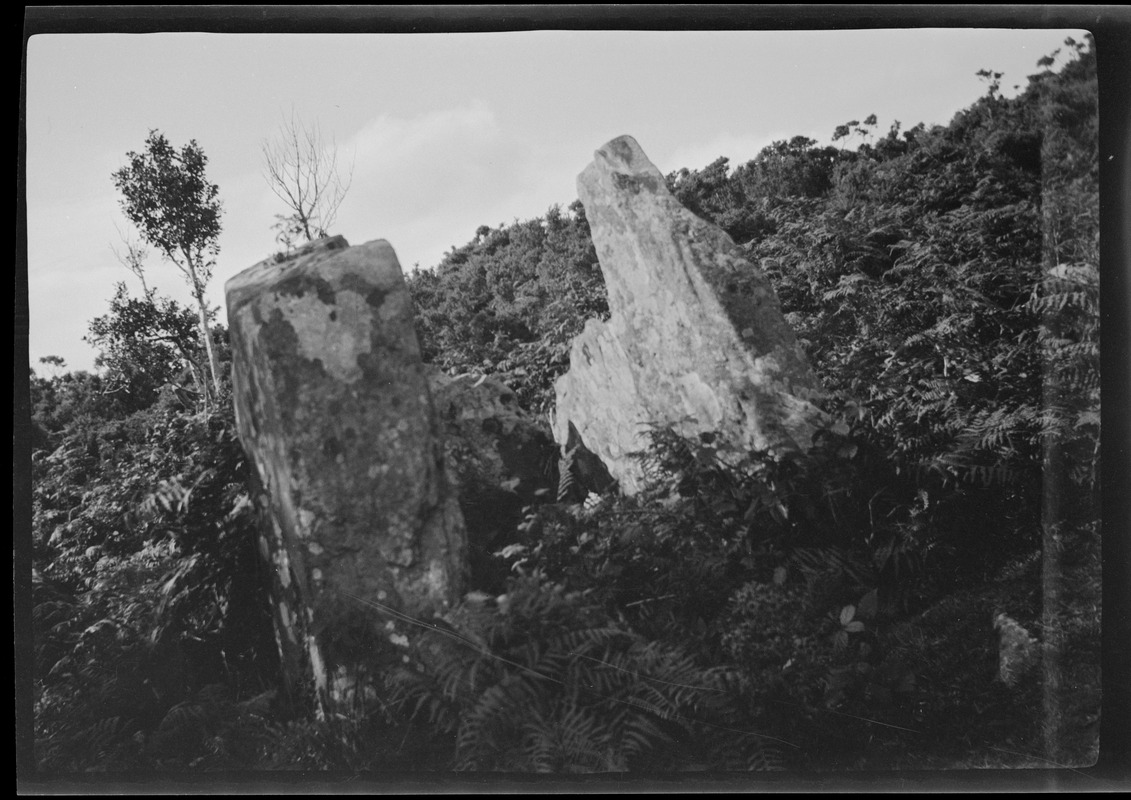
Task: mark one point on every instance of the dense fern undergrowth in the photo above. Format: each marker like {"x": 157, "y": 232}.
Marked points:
{"x": 824, "y": 610}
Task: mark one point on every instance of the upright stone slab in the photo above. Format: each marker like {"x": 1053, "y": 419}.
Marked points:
{"x": 695, "y": 339}
{"x": 334, "y": 408}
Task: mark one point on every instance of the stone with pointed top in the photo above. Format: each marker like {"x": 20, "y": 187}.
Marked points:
{"x": 696, "y": 340}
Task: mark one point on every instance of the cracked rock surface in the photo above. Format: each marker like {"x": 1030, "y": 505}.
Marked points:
{"x": 695, "y": 340}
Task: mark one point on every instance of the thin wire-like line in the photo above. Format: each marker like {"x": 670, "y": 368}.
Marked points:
{"x": 852, "y": 716}
{"x": 452, "y": 634}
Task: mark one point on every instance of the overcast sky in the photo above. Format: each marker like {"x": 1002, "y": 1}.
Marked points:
{"x": 446, "y": 132}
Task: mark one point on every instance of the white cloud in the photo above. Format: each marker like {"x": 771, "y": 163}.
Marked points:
{"x": 426, "y": 182}
{"x": 391, "y": 144}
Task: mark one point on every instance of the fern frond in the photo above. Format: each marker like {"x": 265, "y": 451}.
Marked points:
{"x": 101, "y": 734}
{"x": 567, "y": 483}
{"x": 550, "y": 693}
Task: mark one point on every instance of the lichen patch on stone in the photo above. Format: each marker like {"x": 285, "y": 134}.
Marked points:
{"x": 335, "y": 412}
{"x": 334, "y": 335}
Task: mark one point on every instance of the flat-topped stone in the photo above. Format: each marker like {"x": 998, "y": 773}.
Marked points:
{"x": 334, "y": 407}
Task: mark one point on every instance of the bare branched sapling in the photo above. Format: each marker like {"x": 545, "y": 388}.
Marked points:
{"x": 302, "y": 170}
{"x": 132, "y": 258}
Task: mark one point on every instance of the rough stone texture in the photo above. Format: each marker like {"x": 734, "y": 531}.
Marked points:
{"x": 490, "y": 438}
{"x": 1018, "y": 652}
{"x": 333, "y": 406}
{"x": 503, "y": 459}
{"x": 696, "y": 339}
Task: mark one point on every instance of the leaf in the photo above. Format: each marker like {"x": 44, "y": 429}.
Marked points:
{"x": 1088, "y": 418}
{"x": 847, "y": 613}
{"x": 511, "y": 550}
{"x": 869, "y": 604}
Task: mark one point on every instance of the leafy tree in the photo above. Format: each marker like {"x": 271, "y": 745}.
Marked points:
{"x": 70, "y": 402}
{"x": 145, "y": 344}
{"x": 302, "y": 171}
{"x": 167, "y": 196}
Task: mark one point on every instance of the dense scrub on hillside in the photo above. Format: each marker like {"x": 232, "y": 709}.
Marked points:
{"x": 824, "y": 610}
{"x": 511, "y": 301}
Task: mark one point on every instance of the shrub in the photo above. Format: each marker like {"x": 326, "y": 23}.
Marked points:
{"x": 541, "y": 679}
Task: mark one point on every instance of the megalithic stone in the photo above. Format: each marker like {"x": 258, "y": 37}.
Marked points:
{"x": 695, "y": 340}
{"x": 334, "y": 408}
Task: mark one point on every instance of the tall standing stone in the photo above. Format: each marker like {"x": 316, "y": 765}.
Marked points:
{"x": 695, "y": 339}
{"x": 334, "y": 408}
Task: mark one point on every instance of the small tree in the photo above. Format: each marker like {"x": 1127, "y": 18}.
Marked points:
{"x": 146, "y": 343}
{"x": 166, "y": 195}
{"x": 302, "y": 171}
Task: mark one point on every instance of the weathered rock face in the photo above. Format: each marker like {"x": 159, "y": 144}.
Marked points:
{"x": 490, "y": 439}
{"x": 333, "y": 405}
{"x": 695, "y": 340}
{"x": 1018, "y": 652}
{"x": 503, "y": 459}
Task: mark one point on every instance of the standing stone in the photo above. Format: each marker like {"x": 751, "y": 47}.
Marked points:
{"x": 695, "y": 339}
{"x": 334, "y": 408}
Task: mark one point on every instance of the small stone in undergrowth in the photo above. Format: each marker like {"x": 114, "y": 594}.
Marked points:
{"x": 1017, "y": 650}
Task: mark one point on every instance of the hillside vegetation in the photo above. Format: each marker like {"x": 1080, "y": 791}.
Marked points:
{"x": 827, "y": 610}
